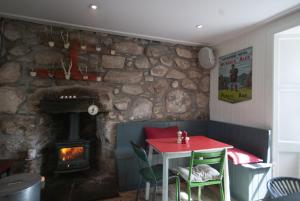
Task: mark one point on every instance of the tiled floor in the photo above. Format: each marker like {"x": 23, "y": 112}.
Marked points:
{"x": 208, "y": 194}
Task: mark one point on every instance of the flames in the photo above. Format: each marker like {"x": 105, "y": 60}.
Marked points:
{"x": 71, "y": 153}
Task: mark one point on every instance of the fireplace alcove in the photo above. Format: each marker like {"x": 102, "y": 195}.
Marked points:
{"x": 73, "y": 154}
{"x": 87, "y": 178}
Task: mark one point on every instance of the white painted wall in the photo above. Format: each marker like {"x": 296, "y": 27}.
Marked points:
{"x": 258, "y": 111}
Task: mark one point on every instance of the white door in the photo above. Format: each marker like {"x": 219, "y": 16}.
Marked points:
{"x": 286, "y": 130}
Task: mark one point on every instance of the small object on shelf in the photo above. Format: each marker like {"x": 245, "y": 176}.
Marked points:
{"x": 85, "y": 77}
{"x": 179, "y": 137}
{"x": 98, "y": 48}
{"x": 66, "y": 45}
{"x": 33, "y": 73}
{"x": 112, "y": 52}
{"x": 51, "y": 43}
{"x": 99, "y": 78}
{"x": 83, "y": 47}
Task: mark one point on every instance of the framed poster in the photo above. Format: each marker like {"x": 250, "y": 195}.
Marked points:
{"x": 235, "y": 76}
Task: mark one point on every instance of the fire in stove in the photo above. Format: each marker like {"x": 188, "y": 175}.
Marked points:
{"x": 72, "y": 156}
{"x": 71, "y": 153}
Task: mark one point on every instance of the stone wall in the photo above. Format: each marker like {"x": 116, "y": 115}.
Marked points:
{"x": 146, "y": 80}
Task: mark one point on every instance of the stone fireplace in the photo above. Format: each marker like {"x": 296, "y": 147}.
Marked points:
{"x": 76, "y": 160}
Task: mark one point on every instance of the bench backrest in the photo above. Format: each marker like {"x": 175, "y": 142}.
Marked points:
{"x": 135, "y": 130}
{"x": 253, "y": 140}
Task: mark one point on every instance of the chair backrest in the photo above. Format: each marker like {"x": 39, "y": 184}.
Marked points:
{"x": 281, "y": 186}
{"x": 139, "y": 152}
{"x": 142, "y": 159}
{"x": 208, "y": 158}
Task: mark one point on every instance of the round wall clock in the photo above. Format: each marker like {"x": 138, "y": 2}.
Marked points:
{"x": 93, "y": 109}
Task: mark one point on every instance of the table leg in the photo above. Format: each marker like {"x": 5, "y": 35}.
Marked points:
{"x": 165, "y": 177}
{"x": 147, "y": 191}
{"x": 226, "y": 178}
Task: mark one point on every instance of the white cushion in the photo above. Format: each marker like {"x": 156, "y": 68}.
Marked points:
{"x": 200, "y": 173}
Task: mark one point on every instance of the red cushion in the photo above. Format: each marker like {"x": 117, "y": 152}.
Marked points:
{"x": 152, "y": 133}
{"x": 242, "y": 157}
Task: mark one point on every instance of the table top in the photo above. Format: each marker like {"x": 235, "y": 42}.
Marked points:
{"x": 196, "y": 143}
{"x": 292, "y": 197}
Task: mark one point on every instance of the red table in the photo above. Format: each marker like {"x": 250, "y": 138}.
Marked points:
{"x": 169, "y": 149}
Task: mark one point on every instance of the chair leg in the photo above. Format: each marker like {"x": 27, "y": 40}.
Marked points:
{"x": 138, "y": 189}
{"x": 222, "y": 192}
{"x": 154, "y": 192}
{"x": 177, "y": 189}
{"x": 199, "y": 193}
{"x": 189, "y": 192}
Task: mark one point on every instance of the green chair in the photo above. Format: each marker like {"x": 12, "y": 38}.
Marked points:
{"x": 152, "y": 174}
{"x": 200, "y": 173}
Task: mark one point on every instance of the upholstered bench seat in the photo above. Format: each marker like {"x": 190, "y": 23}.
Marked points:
{"x": 238, "y": 157}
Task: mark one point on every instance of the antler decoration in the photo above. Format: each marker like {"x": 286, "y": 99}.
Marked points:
{"x": 84, "y": 75}
{"x": 67, "y": 72}
{"x": 65, "y": 38}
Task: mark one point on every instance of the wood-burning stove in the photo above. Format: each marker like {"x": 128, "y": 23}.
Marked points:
{"x": 73, "y": 155}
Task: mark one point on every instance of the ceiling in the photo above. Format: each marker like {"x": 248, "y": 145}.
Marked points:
{"x": 163, "y": 20}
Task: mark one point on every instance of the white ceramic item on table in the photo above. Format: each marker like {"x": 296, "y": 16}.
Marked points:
{"x": 51, "y": 43}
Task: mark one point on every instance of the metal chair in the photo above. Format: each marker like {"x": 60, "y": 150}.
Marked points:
{"x": 282, "y": 186}
{"x": 151, "y": 174}
{"x": 209, "y": 158}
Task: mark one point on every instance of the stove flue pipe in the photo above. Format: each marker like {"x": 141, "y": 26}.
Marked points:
{"x": 74, "y": 126}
